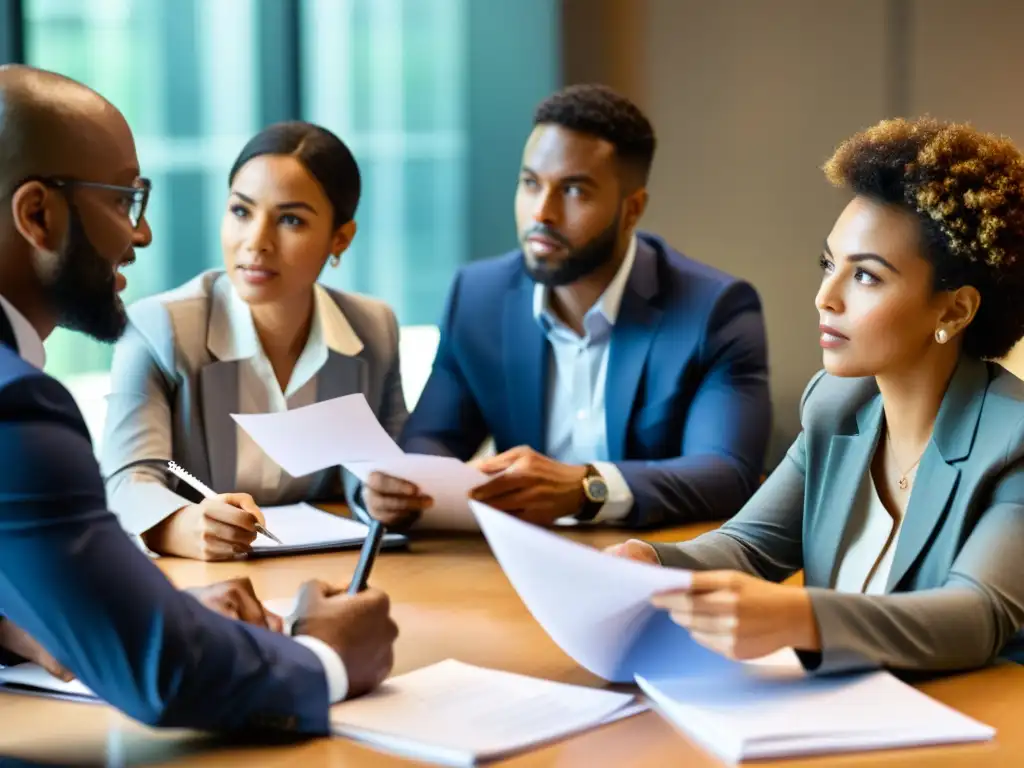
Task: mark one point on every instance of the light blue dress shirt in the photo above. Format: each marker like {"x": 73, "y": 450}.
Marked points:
{"x": 577, "y": 430}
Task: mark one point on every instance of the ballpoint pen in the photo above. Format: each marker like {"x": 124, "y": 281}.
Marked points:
{"x": 207, "y": 493}
{"x": 367, "y": 555}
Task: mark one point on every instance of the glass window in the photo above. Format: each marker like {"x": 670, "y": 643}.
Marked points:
{"x": 191, "y": 78}
{"x": 182, "y": 73}
{"x": 385, "y": 76}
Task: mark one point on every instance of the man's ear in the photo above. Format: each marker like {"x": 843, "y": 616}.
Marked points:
{"x": 33, "y": 215}
{"x": 633, "y": 208}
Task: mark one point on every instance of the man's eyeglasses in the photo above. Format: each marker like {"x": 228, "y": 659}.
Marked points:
{"x": 132, "y": 200}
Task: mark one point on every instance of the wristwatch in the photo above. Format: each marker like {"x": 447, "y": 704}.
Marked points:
{"x": 595, "y": 493}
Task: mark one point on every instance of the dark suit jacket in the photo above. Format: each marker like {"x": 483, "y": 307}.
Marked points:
{"x": 687, "y": 405}
{"x": 74, "y": 580}
{"x": 955, "y": 592}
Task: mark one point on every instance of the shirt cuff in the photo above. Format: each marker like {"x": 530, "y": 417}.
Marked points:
{"x": 620, "y": 498}
{"x": 334, "y": 667}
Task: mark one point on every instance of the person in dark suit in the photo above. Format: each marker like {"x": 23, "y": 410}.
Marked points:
{"x": 71, "y": 581}
{"x": 619, "y": 379}
{"x": 902, "y": 499}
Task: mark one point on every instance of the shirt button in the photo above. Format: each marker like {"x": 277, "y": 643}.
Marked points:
{"x": 581, "y": 414}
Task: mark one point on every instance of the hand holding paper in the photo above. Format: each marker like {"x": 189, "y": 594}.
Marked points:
{"x": 741, "y": 616}
{"x": 595, "y": 606}
{"x": 534, "y": 487}
{"x": 345, "y": 432}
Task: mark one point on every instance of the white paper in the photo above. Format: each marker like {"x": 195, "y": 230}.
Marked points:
{"x": 345, "y": 432}
{"x": 596, "y": 606}
{"x": 327, "y": 434}
{"x": 457, "y": 713}
{"x": 34, "y": 678}
{"x": 303, "y": 525}
{"x": 446, "y": 480}
{"x": 768, "y": 713}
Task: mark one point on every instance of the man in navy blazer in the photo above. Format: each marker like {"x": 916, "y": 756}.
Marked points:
{"x": 620, "y": 380}
{"x": 73, "y": 587}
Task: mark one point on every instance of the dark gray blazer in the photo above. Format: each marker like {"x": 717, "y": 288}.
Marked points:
{"x": 955, "y": 594}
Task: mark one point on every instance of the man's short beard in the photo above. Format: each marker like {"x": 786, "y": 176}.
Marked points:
{"x": 581, "y": 261}
{"x": 83, "y": 288}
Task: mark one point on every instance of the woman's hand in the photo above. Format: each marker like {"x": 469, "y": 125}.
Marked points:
{"x": 220, "y": 528}
{"x": 634, "y": 549}
{"x": 741, "y": 616}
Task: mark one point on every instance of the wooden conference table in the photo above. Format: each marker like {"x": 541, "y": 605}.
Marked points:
{"x": 451, "y": 600}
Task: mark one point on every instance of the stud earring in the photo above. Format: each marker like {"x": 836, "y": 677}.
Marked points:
{"x": 941, "y": 336}
{"x": 335, "y": 259}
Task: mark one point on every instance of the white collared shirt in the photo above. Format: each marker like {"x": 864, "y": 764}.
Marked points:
{"x": 577, "y": 427}
{"x": 873, "y": 534}
{"x": 30, "y": 346}
{"x": 233, "y": 337}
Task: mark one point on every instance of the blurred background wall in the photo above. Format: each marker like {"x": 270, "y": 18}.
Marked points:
{"x": 435, "y": 97}
{"x": 749, "y": 99}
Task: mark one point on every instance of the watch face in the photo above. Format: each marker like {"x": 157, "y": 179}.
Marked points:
{"x": 597, "y": 489}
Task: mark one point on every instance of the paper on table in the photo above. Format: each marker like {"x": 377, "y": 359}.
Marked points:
{"x": 766, "y": 714}
{"x": 33, "y": 679}
{"x": 302, "y": 525}
{"x": 327, "y": 434}
{"x": 595, "y": 606}
{"x": 456, "y": 713}
{"x": 446, "y": 480}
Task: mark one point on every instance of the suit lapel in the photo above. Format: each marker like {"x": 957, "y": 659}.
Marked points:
{"x": 218, "y": 391}
{"x": 526, "y": 367}
{"x": 937, "y": 477}
{"x": 634, "y": 331}
{"x": 848, "y": 462}
{"x": 341, "y": 375}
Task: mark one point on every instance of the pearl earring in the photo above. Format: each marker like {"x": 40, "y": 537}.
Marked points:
{"x": 941, "y": 336}
{"x": 335, "y": 260}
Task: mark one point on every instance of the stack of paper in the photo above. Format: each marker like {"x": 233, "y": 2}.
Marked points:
{"x": 596, "y": 607}
{"x": 458, "y": 714}
{"x": 758, "y": 716}
{"x": 345, "y": 432}
{"x": 304, "y": 528}
{"x": 33, "y": 680}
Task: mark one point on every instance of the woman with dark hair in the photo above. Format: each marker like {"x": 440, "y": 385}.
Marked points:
{"x": 902, "y": 499}
{"x": 261, "y": 335}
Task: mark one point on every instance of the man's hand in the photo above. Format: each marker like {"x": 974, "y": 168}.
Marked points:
{"x": 634, "y": 549}
{"x": 741, "y": 616}
{"x": 358, "y": 627}
{"x": 219, "y": 528}
{"x": 531, "y": 486}
{"x": 237, "y": 599}
{"x": 396, "y": 503}
{"x": 14, "y": 639}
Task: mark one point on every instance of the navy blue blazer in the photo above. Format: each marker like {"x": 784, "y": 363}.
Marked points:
{"x": 687, "y": 403}
{"x": 74, "y": 581}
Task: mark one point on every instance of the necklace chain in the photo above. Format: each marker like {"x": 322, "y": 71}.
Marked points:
{"x": 904, "y": 481}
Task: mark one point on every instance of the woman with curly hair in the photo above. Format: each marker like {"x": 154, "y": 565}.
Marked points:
{"x": 902, "y": 498}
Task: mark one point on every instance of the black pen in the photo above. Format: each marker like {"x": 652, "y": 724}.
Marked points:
{"x": 371, "y": 546}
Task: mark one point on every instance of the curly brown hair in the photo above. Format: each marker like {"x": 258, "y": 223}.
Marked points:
{"x": 967, "y": 190}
